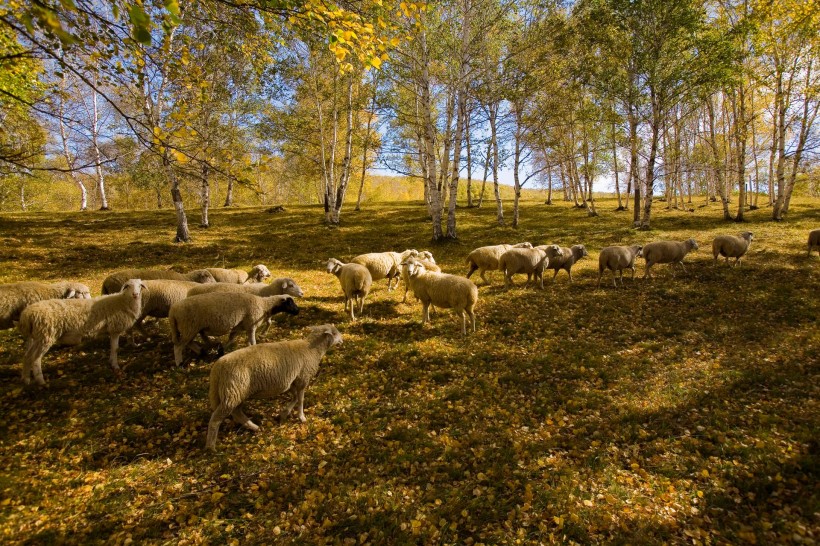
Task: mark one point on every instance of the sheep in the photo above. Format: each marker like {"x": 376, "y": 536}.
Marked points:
{"x": 384, "y": 265}
{"x": 69, "y": 321}
{"x": 14, "y": 297}
{"x": 429, "y": 263}
{"x": 266, "y": 370}
{"x": 161, "y": 294}
{"x": 618, "y": 258}
{"x": 730, "y": 246}
{"x": 442, "y": 290}
{"x": 222, "y": 313}
{"x": 531, "y": 261}
{"x": 667, "y": 252}
{"x": 567, "y": 259}
{"x": 258, "y": 273}
{"x": 277, "y": 287}
{"x": 485, "y": 258}
{"x": 814, "y": 241}
{"x": 355, "y": 280}
{"x": 113, "y": 283}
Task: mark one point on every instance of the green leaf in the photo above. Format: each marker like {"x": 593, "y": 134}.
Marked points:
{"x": 141, "y": 24}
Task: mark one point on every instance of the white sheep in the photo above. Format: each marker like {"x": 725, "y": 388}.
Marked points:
{"x": 258, "y": 273}
{"x": 68, "y": 322}
{"x": 618, "y": 258}
{"x": 426, "y": 259}
{"x": 355, "y": 280}
{"x": 485, "y": 258}
{"x": 384, "y": 265}
{"x": 567, "y": 259}
{"x": 266, "y": 370}
{"x": 113, "y": 283}
{"x": 160, "y": 295}
{"x": 667, "y": 252}
{"x": 731, "y": 246}
{"x": 14, "y": 297}
{"x": 222, "y": 313}
{"x": 442, "y": 290}
{"x": 531, "y": 261}
{"x": 277, "y": 287}
{"x": 814, "y": 241}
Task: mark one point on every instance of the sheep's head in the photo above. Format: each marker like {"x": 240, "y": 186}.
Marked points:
{"x": 427, "y": 255}
{"x": 285, "y": 305}
{"x": 133, "y": 287}
{"x": 522, "y": 245}
{"x": 328, "y": 332}
{"x": 290, "y": 288}
{"x": 409, "y": 253}
{"x": 692, "y": 244}
{"x": 580, "y": 251}
{"x": 258, "y": 273}
{"x": 413, "y": 267}
{"x": 202, "y": 276}
{"x": 552, "y": 251}
{"x": 748, "y": 236}
{"x": 77, "y": 291}
{"x": 638, "y": 251}
{"x": 333, "y": 266}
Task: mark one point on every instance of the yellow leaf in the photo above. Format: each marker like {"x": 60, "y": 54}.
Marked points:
{"x": 216, "y": 496}
{"x": 376, "y": 62}
{"x": 587, "y": 502}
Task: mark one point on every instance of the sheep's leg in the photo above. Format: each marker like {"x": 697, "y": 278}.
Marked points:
{"x": 425, "y": 312}
{"x": 600, "y": 274}
{"x": 569, "y": 272}
{"x": 33, "y": 362}
{"x": 471, "y": 314}
{"x": 463, "y": 322}
{"x": 115, "y": 343}
{"x": 361, "y": 304}
{"x": 241, "y": 419}
{"x": 217, "y": 417}
{"x": 683, "y": 267}
{"x": 646, "y": 273}
{"x": 352, "y": 304}
{"x": 301, "y": 396}
{"x": 252, "y": 335}
{"x": 295, "y": 387}
{"x": 474, "y": 267}
{"x": 179, "y": 353}
{"x": 481, "y": 273}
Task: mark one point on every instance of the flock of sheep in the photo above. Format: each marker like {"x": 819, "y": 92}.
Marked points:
{"x": 218, "y": 302}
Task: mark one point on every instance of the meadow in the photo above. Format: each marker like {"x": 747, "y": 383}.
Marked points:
{"x": 683, "y": 410}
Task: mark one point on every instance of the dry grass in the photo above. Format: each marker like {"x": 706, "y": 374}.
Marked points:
{"x": 683, "y": 410}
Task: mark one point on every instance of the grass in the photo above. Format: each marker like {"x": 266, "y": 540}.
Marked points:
{"x": 682, "y": 410}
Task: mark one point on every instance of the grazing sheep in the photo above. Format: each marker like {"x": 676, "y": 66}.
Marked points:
{"x": 485, "y": 258}
{"x": 236, "y": 276}
{"x": 277, "y": 287}
{"x": 618, "y": 258}
{"x": 266, "y": 370}
{"x": 814, "y": 241}
{"x": 442, "y": 290}
{"x": 730, "y": 246}
{"x": 384, "y": 265}
{"x": 113, "y": 283}
{"x": 69, "y": 321}
{"x": 222, "y": 313}
{"x": 14, "y": 297}
{"x": 567, "y": 259}
{"x": 355, "y": 280}
{"x": 667, "y": 252}
{"x": 531, "y": 261}
{"x": 160, "y": 295}
{"x": 425, "y": 257}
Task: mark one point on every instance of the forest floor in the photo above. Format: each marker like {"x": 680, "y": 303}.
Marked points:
{"x": 680, "y": 410}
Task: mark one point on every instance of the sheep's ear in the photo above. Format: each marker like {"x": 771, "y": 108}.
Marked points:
{"x": 143, "y": 285}
{"x": 70, "y": 293}
{"x": 285, "y": 285}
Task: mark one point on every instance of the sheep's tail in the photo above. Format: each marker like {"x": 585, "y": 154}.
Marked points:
{"x": 172, "y": 321}
{"x": 24, "y": 326}
{"x": 213, "y": 392}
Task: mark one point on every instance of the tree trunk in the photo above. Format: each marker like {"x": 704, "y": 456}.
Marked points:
{"x": 183, "y": 235}
{"x": 718, "y": 170}
{"x": 516, "y": 167}
{"x": 486, "y": 173}
{"x": 229, "y": 192}
{"x": 95, "y": 129}
{"x": 754, "y": 150}
{"x": 494, "y": 142}
{"x": 650, "y": 163}
{"x": 461, "y": 114}
{"x": 205, "y": 192}
{"x": 615, "y": 168}
{"x": 777, "y": 210}
{"x": 740, "y": 149}
{"x": 633, "y": 165}
{"x": 549, "y": 184}
{"x": 366, "y": 143}
{"x": 429, "y": 132}
{"x": 806, "y": 123}
{"x": 344, "y": 177}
